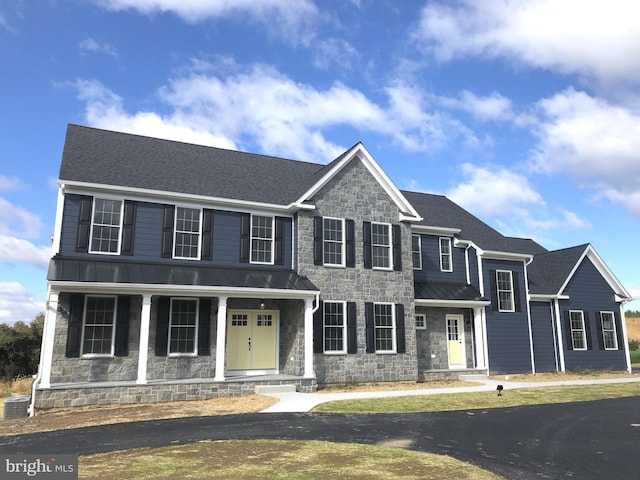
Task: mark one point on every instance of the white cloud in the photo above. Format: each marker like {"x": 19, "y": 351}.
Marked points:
{"x": 592, "y": 141}
{"x": 599, "y": 40}
{"x": 89, "y": 45}
{"x": 491, "y": 107}
{"x": 283, "y": 117}
{"x": 293, "y": 20}
{"x": 10, "y": 184}
{"x": 16, "y": 250}
{"x": 17, "y": 221}
{"x": 17, "y": 304}
{"x": 335, "y": 51}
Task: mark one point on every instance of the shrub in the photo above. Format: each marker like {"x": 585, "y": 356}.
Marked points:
{"x": 634, "y": 344}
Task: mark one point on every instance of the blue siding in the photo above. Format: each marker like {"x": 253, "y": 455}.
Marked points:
{"x": 148, "y": 235}
{"x": 589, "y": 292}
{"x": 431, "y": 263}
{"x": 507, "y": 332}
{"x": 542, "y": 328}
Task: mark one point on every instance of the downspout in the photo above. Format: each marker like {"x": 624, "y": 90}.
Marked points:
{"x": 555, "y": 335}
{"x": 623, "y": 323}
{"x": 560, "y": 343}
{"x": 526, "y": 285}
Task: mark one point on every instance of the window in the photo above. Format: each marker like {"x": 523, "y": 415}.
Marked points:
{"x": 183, "y": 326}
{"x": 504, "y": 290}
{"x": 445, "y": 255}
{"x": 421, "y": 322}
{"x": 187, "y": 233}
{"x": 381, "y": 245}
{"x": 333, "y": 241}
{"x": 261, "y": 239}
{"x": 384, "y": 327}
{"x": 335, "y": 327}
{"x": 99, "y": 326}
{"x": 416, "y": 252}
{"x": 105, "y": 226}
{"x": 609, "y": 337}
{"x": 578, "y": 334}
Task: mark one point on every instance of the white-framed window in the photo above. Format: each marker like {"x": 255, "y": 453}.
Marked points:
{"x": 446, "y": 265}
{"x": 183, "y": 326}
{"x": 381, "y": 246}
{"x": 385, "y": 325}
{"x": 262, "y": 233}
{"x": 609, "y": 334}
{"x": 416, "y": 252}
{"x": 578, "y": 332}
{"x": 421, "y": 321}
{"x": 333, "y": 241}
{"x": 504, "y": 290}
{"x": 98, "y": 332}
{"x": 187, "y": 233}
{"x": 106, "y": 226}
{"x": 335, "y": 327}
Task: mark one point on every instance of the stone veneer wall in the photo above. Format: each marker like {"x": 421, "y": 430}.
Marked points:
{"x": 355, "y": 194}
{"x": 433, "y": 353}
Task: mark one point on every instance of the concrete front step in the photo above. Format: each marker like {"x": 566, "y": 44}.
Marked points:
{"x": 265, "y": 389}
{"x": 474, "y": 377}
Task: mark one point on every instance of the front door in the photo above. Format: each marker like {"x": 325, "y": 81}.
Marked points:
{"x": 455, "y": 342}
{"x": 252, "y": 340}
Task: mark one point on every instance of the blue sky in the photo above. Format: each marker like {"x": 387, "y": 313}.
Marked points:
{"x": 527, "y": 113}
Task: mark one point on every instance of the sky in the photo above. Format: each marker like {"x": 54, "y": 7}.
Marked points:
{"x": 524, "y": 112}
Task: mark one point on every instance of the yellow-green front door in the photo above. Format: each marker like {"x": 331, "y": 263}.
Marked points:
{"x": 455, "y": 342}
{"x": 252, "y": 340}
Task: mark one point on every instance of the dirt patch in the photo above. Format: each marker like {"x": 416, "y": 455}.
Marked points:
{"x": 63, "y": 418}
{"x": 633, "y": 328}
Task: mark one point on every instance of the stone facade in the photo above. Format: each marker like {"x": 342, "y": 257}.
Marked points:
{"x": 355, "y": 194}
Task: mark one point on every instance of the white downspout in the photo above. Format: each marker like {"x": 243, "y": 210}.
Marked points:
{"x": 623, "y": 323}
{"x": 559, "y": 335}
{"x": 309, "y": 310}
{"x": 526, "y": 286}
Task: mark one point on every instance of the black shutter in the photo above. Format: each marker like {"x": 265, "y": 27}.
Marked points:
{"x": 84, "y": 224}
{"x": 245, "y": 237}
{"x": 74, "y": 332}
{"x": 350, "y": 237}
{"x": 600, "y": 332}
{"x": 517, "y": 305}
{"x": 587, "y": 330}
{"x": 128, "y": 227}
{"x": 167, "y": 231}
{"x": 352, "y": 332}
{"x": 204, "y": 326}
{"x": 396, "y": 238}
{"x": 370, "y": 327}
{"x": 494, "y": 290}
{"x": 279, "y": 238}
{"x": 162, "y": 326}
{"x": 318, "y": 324}
{"x": 567, "y": 330}
{"x": 619, "y": 333}
{"x": 318, "y": 224}
{"x": 400, "y": 331}
{"x": 207, "y": 234}
{"x": 121, "y": 347}
{"x": 366, "y": 243}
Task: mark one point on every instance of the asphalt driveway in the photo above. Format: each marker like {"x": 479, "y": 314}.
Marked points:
{"x": 586, "y": 440}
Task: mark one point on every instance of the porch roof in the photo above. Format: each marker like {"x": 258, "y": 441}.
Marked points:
{"x": 122, "y": 272}
{"x": 447, "y": 292}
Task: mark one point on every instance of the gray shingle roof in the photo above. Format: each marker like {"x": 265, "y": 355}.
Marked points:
{"x": 549, "y": 271}
{"x": 104, "y": 157}
{"x": 439, "y": 211}
{"x": 446, "y": 291}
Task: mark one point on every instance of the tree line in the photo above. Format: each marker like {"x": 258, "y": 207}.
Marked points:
{"x": 20, "y": 348}
{"x": 632, "y": 313}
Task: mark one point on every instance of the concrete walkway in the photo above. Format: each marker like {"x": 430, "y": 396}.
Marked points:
{"x": 292, "y": 402}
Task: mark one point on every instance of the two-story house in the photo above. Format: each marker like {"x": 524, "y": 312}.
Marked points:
{"x": 187, "y": 272}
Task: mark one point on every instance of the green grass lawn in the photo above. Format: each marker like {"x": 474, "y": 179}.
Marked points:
{"x": 635, "y": 358}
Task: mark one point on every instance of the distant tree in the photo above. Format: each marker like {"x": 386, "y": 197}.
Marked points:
{"x": 632, "y": 313}
{"x": 20, "y": 348}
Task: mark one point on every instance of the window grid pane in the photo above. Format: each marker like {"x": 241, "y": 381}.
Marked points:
{"x": 383, "y": 318}
{"x": 577, "y": 331}
{"x": 183, "y": 326}
{"x": 609, "y": 336}
{"x": 333, "y": 241}
{"x": 187, "y": 238}
{"x": 445, "y": 255}
{"x": 505, "y": 291}
{"x": 261, "y": 239}
{"x": 106, "y": 225}
{"x": 416, "y": 252}
{"x": 334, "y": 324}
{"x": 380, "y": 246}
{"x": 98, "y": 325}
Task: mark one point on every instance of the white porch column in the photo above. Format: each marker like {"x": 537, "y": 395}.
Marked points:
{"x": 46, "y": 356}
{"x": 308, "y": 339}
{"x": 560, "y": 341}
{"x": 623, "y": 324}
{"x": 143, "y": 354}
{"x": 478, "y": 329}
{"x": 221, "y": 333}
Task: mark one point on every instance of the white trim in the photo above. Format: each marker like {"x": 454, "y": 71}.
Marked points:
{"x": 175, "y": 232}
{"x": 615, "y": 330}
{"x": 272, "y": 240}
{"x": 343, "y": 242}
{"x": 451, "y": 303}
{"x": 414, "y": 235}
{"x": 424, "y": 323}
{"x": 480, "y": 346}
{"x": 511, "y": 292}
{"x": 345, "y": 340}
{"x": 394, "y": 346}
{"x": 57, "y": 229}
{"x": 221, "y": 335}
{"x": 584, "y": 331}
{"x": 450, "y": 254}
{"x": 113, "y": 327}
{"x": 625, "y": 340}
{"x": 308, "y": 337}
{"x": 433, "y": 230}
{"x": 460, "y": 327}
{"x": 389, "y": 247}
{"x": 560, "y": 338}
{"x": 526, "y": 286}
{"x": 92, "y": 224}
{"x": 143, "y": 350}
{"x": 496, "y": 255}
{"x": 48, "y": 334}
{"x": 543, "y": 297}
{"x": 193, "y": 353}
